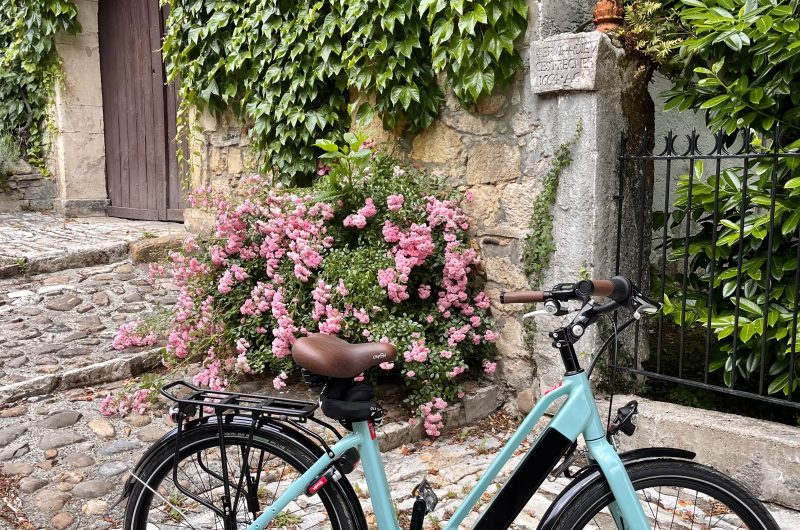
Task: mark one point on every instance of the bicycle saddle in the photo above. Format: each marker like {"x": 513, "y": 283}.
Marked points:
{"x": 333, "y": 357}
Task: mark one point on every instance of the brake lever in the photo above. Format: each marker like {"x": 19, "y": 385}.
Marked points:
{"x": 560, "y": 312}
{"x": 645, "y": 309}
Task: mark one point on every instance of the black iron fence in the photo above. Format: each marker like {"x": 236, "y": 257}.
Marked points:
{"x": 721, "y": 249}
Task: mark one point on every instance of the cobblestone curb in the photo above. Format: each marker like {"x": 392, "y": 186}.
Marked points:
{"x": 100, "y": 254}
{"x": 104, "y": 372}
{"x": 762, "y": 455}
{"x": 35, "y": 243}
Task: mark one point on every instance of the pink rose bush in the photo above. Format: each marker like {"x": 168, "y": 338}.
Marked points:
{"x": 373, "y": 252}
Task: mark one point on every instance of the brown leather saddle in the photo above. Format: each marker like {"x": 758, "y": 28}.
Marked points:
{"x": 333, "y": 357}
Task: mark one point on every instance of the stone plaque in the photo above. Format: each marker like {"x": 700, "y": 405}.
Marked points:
{"x": 565, "y": 62}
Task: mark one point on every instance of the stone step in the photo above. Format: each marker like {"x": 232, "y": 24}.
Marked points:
{"x": 37, "y": 243}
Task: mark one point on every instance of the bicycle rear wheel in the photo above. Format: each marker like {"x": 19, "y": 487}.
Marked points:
{"x": 273, "y": 461}
{"x": 675, "y": 495}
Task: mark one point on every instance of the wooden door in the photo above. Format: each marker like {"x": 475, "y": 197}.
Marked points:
{"x": 139, "y": 111}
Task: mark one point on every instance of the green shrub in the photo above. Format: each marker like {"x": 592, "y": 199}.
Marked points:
{"x": 9, "y": 154}
{"x": 740, "y": 64}
{"x": 735, "y": 60}
{"x": 374, "y": 252}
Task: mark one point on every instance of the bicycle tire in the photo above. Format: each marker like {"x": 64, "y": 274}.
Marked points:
{"x": 157, "y": 474}
{"x": 716, "y": 489}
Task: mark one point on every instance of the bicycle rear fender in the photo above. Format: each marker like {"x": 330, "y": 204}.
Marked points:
{"x": 282, "y": 431}
{"x": 592, "y": 474}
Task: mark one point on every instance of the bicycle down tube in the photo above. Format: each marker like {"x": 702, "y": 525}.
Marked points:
{"x": 576, "y": 416}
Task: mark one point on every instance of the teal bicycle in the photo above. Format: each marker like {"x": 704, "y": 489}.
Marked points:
{"x": 248, "y": 462}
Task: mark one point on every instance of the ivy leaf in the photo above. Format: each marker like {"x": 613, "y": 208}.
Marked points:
{"x": 467, "y": 23}
{"x": 478, "y": 82}
{"x": 442, "y": 32}
{"x": 211, "y": 90}
{"x": 365, "y": 114}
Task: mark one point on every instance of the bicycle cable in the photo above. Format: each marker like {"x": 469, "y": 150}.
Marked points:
{"x": 607, "y": 342}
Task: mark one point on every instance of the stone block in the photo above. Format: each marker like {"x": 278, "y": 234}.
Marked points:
{"x": 207, "y": 121}
{"x": 468, "y": 123}
{"x": 491, "y": 162}
{"x": 80, "y": 208}
{"x": 154, "y": 249}
{"x": 198, "y": 221}
{"x": 565, "y": 62}
{"x": 453, "y": 416}
{"x": 235, "y": 161}
{"x": 517, "y": 201}
{"x": 82, "y": 166}
{"x": 393, "y": 435}
{"x": 482, "y": 210}
{"x": 500, "y": 269}
{"x": 218, "y": 161}
{"x": 762, "y": 455}
{"x": 437, "y": 144}
{"x": 80, "y": 118}
{"x": 20, "y": 167}
{"x": 250, "y": 161}
{"x": 80, "y": 57}
{"x": 227, "y": 137}
{"x": 491, "y": 104}
{"x": 526, "y": 400}
{"x": 480, "y": 404}
{"x": 87, "y": 15}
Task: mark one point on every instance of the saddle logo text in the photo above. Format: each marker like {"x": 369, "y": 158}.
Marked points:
{"x": 380, "y": 355}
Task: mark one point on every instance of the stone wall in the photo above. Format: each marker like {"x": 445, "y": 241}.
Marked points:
{"x": 26, "y": 189}
{"x": 219, "y": 156}
{"x": 500, "y": 150}
{"x": 78, "y": 159}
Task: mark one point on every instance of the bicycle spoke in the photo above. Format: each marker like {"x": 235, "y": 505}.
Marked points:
{"x": 200, "y": 475}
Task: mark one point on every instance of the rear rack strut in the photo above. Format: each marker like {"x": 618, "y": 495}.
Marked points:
{"x": 193, "y": 401}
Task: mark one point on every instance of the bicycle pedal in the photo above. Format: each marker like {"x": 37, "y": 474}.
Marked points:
{"x": 424, "y": 504}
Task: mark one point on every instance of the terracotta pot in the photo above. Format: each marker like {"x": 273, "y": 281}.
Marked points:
{"x": 608, "y": 15}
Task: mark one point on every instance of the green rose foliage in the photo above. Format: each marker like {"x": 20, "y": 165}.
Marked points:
{"x": 288, "y": 68}
{"x": 216, "y": 315}
{"x": 30, "y": 66}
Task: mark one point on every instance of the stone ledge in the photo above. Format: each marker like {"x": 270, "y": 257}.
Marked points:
{"x": 154, "y": 249}
{"x": 81, "y": 207}
{"x": 111, "y": 370}
{"x": 99, "y": 255}
{"x": 477, "y": 404}
{"x": 762, "y": 455}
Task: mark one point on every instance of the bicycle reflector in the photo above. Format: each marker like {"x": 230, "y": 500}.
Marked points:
{"x": 625, "y": 420}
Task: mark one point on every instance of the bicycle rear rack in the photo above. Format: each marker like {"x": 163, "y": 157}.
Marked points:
{"x": 192, "y": 401}
{"x": 222, "y": 402}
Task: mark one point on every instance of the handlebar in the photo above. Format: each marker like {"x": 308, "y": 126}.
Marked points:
{"x": 522, "y": 297}
{"x": 618, "y": 288}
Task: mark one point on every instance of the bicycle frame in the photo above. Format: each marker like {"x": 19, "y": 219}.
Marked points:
{"x": 576, "y": 416}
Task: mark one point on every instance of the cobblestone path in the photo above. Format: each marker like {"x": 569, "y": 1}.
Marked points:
{"x": 71, "y": 462}
{"x": 57, "y": 322}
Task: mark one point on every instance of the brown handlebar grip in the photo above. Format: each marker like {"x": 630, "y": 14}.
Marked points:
{"x": 603, "y": 287}
{"x": 521, "y": 297}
